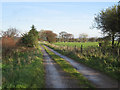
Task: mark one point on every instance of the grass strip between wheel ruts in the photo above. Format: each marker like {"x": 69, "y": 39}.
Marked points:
{"x": 83, "y": 82}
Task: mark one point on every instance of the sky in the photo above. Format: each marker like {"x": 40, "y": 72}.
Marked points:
{"x": 72, "y": 17}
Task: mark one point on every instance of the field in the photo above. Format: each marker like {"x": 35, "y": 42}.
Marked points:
{"x": 77, "y": 44}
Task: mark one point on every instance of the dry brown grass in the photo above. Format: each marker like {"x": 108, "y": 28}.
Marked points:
{"x": 8, "y": 45}
{"x": 8, "y": 42}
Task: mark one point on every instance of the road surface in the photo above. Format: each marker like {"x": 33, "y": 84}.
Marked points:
{"x": 55, "y": 76}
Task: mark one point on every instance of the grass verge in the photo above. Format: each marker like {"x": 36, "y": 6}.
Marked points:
{"x": 24, "y": 69}
{"x": 83, "y": 82}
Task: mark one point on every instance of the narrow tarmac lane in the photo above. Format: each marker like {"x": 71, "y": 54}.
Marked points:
{"x": 55, "y": 76}
{"x": 95, "y": 77}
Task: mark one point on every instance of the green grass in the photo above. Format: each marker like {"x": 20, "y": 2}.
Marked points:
{"x": 83, "y": 82}
{"x": 24, "y": 70}
{"x": 78, "y": 44}
{"x": 95, "y": 58}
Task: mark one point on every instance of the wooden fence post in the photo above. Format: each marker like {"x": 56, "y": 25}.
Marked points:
{"x": 81, "y": 48}
{"x": 118, "y": 51}
{"x": 67, "y": 47}
{"x": 75, "y": 48}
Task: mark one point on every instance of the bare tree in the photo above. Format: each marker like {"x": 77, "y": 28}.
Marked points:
{"x": 42, "y": 35}
{"x": 62, "y": 35}
{"x": 83, "y": 37}
{"x": 11, "y": 32}
{"x": 69, "y": 36}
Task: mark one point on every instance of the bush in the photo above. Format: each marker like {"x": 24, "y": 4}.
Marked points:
{"x": 8, "y": 44}
{"x": 31, "y": 38}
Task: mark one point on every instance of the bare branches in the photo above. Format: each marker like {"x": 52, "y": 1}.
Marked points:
{"x": 11, "y": 32}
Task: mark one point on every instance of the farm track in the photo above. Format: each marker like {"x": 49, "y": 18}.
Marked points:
{"x": 55, "y": 76}
{"x": 95, "y": 77}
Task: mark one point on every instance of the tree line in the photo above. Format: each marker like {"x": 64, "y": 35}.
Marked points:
{"x": 48, "y": 35}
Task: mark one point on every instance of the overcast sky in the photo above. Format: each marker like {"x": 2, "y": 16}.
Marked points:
{"x": 72, "y": 17}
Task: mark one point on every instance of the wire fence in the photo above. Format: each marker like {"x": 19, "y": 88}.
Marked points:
{"x": 90, "y": 50}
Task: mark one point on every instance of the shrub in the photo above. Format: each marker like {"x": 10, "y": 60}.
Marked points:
{"x": 31, "y": 38}
{"x": 8, "y": 44}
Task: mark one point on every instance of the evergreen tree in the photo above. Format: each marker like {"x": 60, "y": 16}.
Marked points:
{"x": 31, "y": 38}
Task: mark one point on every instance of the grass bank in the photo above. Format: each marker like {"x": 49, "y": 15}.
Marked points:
{"x": 24, "y": 69}
{"x": 83, "y": 82}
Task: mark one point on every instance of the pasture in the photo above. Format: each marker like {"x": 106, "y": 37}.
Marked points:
{"x": 77, "y": 44}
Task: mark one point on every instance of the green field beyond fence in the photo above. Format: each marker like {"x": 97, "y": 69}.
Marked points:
{"x": 77, "y": 44}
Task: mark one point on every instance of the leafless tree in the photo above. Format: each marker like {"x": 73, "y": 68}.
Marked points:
{"x": 11, "y": 32}
{"x": 83, "y": 37}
